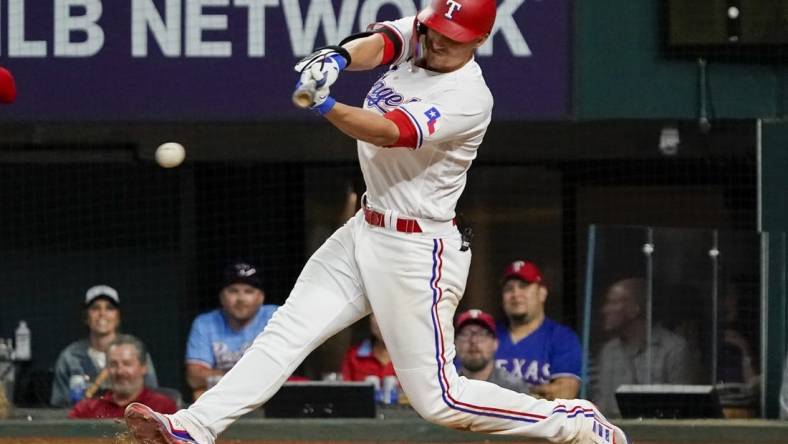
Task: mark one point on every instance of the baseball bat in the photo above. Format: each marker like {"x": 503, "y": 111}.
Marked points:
{"x": 304, "y": 95}
{"x": 97, "y": 383}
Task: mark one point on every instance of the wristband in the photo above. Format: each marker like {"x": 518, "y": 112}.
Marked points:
{"x": 340, "y": 60}
{"x": 325, "y": 107}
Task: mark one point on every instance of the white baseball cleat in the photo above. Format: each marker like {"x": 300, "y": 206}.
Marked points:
{"x": 599, "y": 431}
{"x": 150, "y": 427}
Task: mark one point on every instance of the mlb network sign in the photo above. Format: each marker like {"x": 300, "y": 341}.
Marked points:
{"x": 151, "y": 60}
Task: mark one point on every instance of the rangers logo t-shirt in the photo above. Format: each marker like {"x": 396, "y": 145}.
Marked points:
{"x": 550, "y": 351}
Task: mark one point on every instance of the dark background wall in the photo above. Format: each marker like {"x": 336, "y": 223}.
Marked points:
{"x": 624, "y": 70}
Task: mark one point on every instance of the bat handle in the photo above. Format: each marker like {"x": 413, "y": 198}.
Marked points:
{"x": 100, "y": 378}
{"x": 304, "y": 95}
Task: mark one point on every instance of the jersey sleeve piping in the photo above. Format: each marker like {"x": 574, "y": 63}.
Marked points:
{"x": 415, "y": 123}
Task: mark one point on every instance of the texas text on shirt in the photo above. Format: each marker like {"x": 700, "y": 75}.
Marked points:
{"x": 442, "y": 118}
{"x": 551, "y": 351}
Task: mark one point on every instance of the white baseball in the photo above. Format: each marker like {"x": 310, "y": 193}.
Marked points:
{"x": 170, "y": 154}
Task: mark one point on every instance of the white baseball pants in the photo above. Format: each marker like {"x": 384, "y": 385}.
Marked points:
{"x": 413, "y": 283}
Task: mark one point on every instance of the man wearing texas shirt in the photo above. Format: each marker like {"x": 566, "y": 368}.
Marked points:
{"x": 544, "y": 353}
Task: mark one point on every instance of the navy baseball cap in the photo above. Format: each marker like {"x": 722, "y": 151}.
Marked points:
{"x": 242, "y": 273}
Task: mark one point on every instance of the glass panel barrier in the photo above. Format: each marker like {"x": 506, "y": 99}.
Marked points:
{"x": 617, "y": 270}
{"x": 671, "y": 306}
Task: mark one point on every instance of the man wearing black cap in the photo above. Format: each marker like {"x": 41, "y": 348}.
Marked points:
{"x": 87, "y": 358}
{"x": 220, "y": 337}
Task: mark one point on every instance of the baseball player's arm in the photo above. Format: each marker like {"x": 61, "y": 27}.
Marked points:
{"x": 358, "y": 52}
{"x": 366, "y": 52}
{"x": 383, "y": 44}
{"x": 363, "y": 125}
{"x": 564, "y": 387}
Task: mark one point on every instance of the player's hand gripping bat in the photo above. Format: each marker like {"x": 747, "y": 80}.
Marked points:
{"x": 304, "y": 94}
{"x": 318, "y": 70}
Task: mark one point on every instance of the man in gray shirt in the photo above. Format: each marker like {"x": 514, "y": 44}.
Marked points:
{"x": 624, "y": 359}
{"x": 476, "y": 343}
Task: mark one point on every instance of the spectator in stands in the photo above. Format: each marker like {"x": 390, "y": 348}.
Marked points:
{"x": 784, "y": 393}
{"x": 369, "y": 358}
{"x": 623, "y": 359}
{"x": 532, "y": 347}
{"x": 126, "y": 357}
{"x": 476, "y": 344}
{"x": 220, "y": 337}
{"x": 87, "y": 357}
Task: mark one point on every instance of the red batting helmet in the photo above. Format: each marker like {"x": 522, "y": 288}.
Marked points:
{"x": 459, "y": 20}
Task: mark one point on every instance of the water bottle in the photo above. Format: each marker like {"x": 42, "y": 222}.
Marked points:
{"x": 390, "y": 390}
{"x": 76, "y": 388}
{"x": 375, "y": 381}
{"x": 22, "y": 351}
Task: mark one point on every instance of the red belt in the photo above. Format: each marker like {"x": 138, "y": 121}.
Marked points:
{"x": 379, "y": 220}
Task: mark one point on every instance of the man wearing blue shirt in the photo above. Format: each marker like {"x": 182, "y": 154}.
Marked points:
{"x": 533, "y": 347}
{"x": 220, "y": 337}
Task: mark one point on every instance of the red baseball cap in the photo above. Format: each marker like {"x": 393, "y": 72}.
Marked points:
{"x": 476, "y": 317}
{"x": 523, "y": 270}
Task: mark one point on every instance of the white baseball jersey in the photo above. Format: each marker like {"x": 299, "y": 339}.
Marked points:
{"x": 445, "y": 115}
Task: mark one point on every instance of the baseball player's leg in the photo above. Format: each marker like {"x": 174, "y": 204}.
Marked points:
{"x": 325, "y": 299}
{"x": 414, "y": 291}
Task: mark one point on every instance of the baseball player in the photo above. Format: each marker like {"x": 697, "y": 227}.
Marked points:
{"x": 401, "y": 256}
